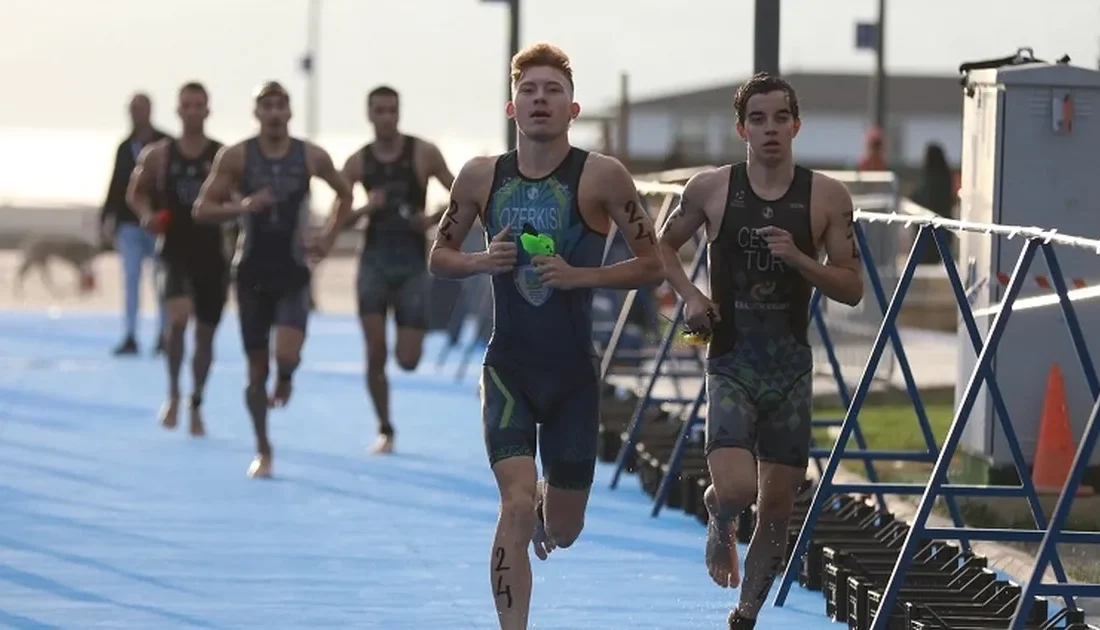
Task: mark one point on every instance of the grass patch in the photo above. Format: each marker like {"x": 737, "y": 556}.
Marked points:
{"x": 890, "y": 427}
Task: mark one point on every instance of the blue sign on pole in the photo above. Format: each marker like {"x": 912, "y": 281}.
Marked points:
{"x": 866, "y": 35}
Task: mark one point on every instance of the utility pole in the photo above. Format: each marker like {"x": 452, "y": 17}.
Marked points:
{"x": 513, "y": 48}
{"x": 622, "y": 141}
{"x": 878, "y": 114}
{"x": 765, "y": 37}
{"x": 309, "y": 67}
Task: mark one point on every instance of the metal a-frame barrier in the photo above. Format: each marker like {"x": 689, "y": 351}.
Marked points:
{"x": 611, "y": 352}
{"x": 1049, "y": 533}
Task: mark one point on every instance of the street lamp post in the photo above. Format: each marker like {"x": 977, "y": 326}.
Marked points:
{"x": 513, "y": 48}
{"x": 309, "y": 66}
{"x": 879, "y": 104}
{"x": 766, "y": 37}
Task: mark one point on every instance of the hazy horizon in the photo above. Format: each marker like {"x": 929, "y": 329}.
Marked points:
{"x": 70, "y": 66}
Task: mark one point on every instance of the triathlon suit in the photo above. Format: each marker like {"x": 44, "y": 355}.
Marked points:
{"x": 759, "y": 363}
{"x": 272, "y": 274}
{"x": 193, "y": 259}
{"x": 393, "y": 268}
{"x": 540, "y": 365}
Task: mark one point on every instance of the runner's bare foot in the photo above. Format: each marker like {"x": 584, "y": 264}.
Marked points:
{"x": 383, "y": 445}
{"x": 169, "y": 412}
{"x": 281, "y": 396}
{"x": 541, "y": 541}
{"x": 260, "y": 467}
{"x": 198, "y": 428}
{"x": 722, "y": 562}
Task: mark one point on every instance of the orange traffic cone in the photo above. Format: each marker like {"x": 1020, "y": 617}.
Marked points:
{"x": 1055, "y": 449}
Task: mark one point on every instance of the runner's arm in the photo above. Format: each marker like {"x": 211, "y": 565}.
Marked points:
{"x": 683, "y": 223}
{"x": 216, "y": 199}
{"x": 353, "y": 174}
{"x": 143, "y": 181}
{"x": 447, "y": 259}
{"x": 326, "y": 170}
{"x": 841, "y": 277}
{"x": 437, "y": 168}
{"x": 622, "y": 204}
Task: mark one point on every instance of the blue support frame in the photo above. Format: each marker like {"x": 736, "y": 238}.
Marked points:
{"x": 691, "y": 420}
{"x": 938, "y": 480}
{"x": 648, "y": 399}
{"x": 479, "y": 332}
{"x": 938, "y": 485}
{"x": 907, "y": 374}
{"x": 468, "y": 296}
{"x": 845, "y": 396}
{"x": 610, "y": 353}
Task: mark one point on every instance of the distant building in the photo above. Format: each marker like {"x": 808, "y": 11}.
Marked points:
{"x": 697, "y": 127}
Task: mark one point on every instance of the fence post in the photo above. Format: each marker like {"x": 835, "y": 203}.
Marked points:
{"x": 826, "y": 486}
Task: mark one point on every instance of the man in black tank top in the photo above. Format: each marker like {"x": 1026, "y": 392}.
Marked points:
{"x": 193, "y": 270}
{"x": 540, "y": 386}
{"x": 394, "y": 171}
{"x": 766, "y": 220}
{"x": 272, "y": 172}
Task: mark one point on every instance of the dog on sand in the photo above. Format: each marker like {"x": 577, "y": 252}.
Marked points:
{"x": 38, "y": 251}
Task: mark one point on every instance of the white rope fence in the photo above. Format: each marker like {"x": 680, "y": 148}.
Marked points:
{"x": 1009, "y": 231}
{"x": 910, "y": 214}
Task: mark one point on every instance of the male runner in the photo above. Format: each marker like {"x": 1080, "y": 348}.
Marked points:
{"x": 540, "y": 364}
{"x": 272, "y": 171}
{"x": 766, "y": 220}
{"x": 194, "y": 272}
{"x": 394, "y": 170}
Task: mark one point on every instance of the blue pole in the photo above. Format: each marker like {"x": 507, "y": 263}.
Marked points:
{"x": 638, "y": 419}
{"x": 690, "y": 421}
{"x": 919, "y": 529}
{"x": 824, "y": 488}
{"x": 967, "y": 315}
{"x": 628, "y": 301}
{"x": 907, "y": 373}
{"x": 1072, "y": 323}
{"x": 456, "y": 322}
{"x": 838, "y": 373}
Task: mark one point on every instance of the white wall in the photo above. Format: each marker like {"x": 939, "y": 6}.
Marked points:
{"x": 650, "y": 134}
{"x": 830, "y": 138}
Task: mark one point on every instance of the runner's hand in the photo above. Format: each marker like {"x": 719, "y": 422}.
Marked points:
{"x": 501, "y": 255}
